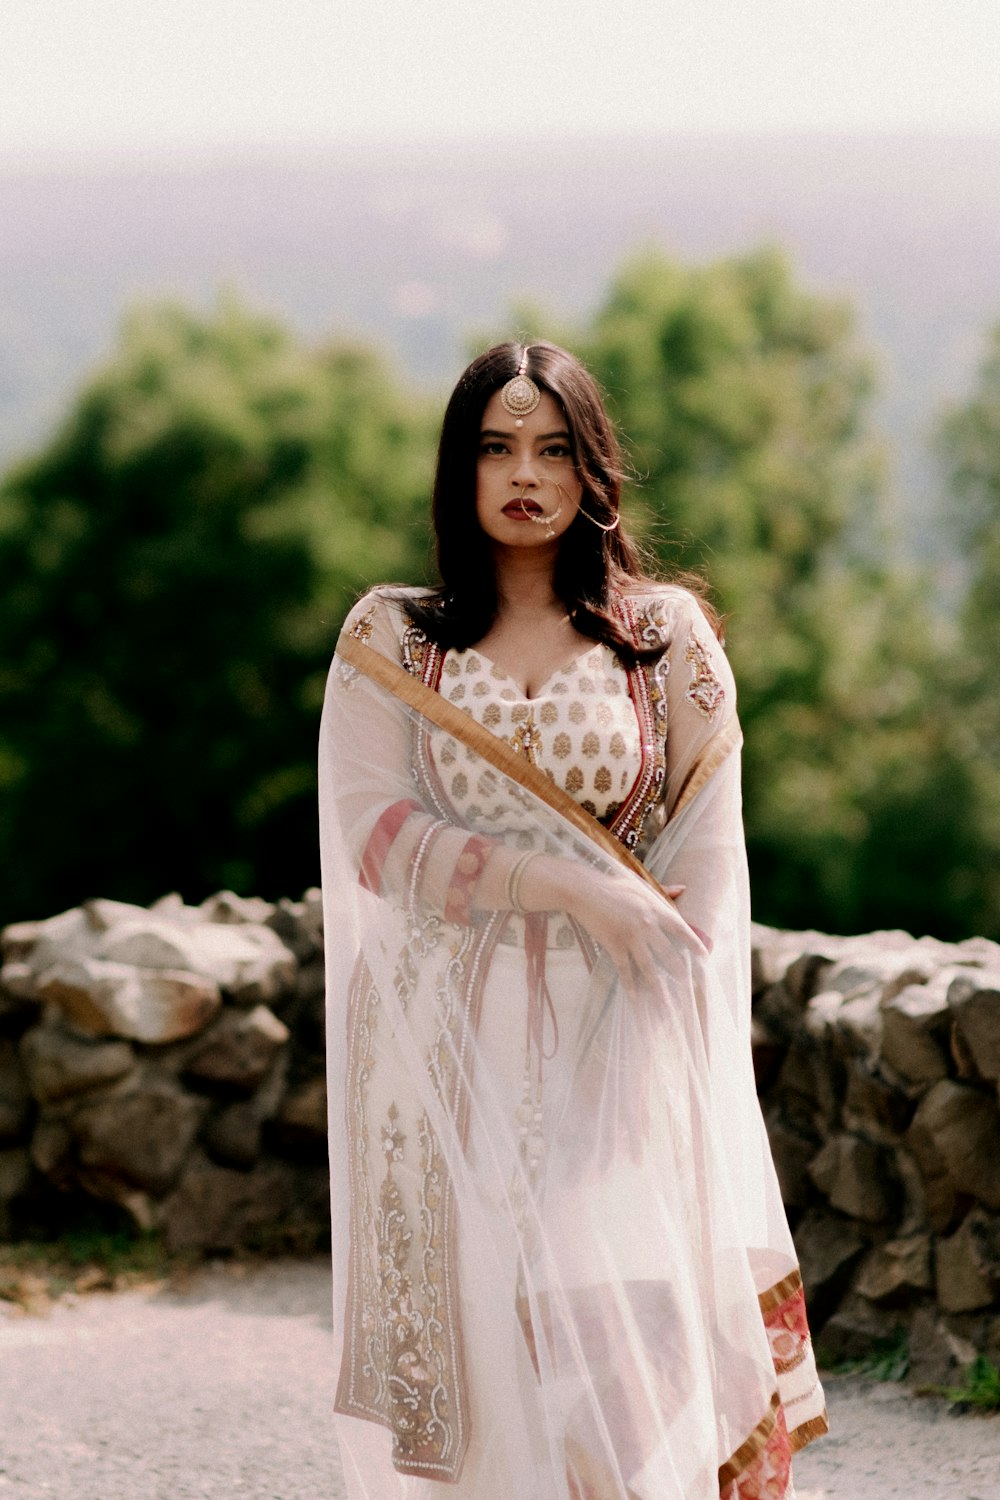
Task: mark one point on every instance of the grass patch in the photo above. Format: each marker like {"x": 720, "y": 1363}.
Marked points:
{"x": 34, "y": 1274}
{"x": 980, "y": 1388}
{"x": 888, "y": 1359}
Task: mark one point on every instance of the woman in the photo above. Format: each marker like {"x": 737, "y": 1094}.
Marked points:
{"x": 562, "y": 1269}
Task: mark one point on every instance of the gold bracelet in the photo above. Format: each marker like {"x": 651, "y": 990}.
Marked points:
{"x": 514, "y": 877}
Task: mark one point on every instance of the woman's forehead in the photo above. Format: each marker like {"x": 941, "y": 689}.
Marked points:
{"x": 548, "y": 416}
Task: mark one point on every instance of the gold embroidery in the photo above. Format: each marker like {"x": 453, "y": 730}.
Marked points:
{"x": 649, "y": 627}
{"x": 414, "y": 646}
{"x": 562, "y": 745}
{"x": 574, "y": 780}
{"x": 492, "y": 715}
{"x": 706, "y": 691}
{"x": 602, "y": 779}
{"x": 526, "y": 740}
{"x": 364, "y": 626}
{"x": 549, "y": 713}
{"x": 590, "y": 745}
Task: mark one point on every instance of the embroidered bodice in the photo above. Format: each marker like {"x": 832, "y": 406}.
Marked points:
{"x": 581, "y": 728}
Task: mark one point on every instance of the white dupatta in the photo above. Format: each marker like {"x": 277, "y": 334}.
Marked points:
{"x": 586, "y": 1291}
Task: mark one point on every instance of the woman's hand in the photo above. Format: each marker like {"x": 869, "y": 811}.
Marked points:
{"x": 638, "y": 929}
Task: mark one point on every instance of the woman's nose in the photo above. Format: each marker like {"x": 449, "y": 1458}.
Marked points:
{"x": 524, "y": 473}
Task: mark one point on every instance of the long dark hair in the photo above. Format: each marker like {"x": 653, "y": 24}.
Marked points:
{"x": 596, "y": 556}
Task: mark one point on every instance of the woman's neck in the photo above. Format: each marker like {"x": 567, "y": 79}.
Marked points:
{"x": 524, "y": 581}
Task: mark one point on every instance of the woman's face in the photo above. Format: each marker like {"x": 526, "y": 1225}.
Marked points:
{"x": 527, "y": 488}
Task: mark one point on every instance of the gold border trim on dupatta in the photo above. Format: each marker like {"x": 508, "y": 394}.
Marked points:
{"x": 753, "y": 1446}
{"x": 808, "y": 1432}
{"x": 502, "y": 757}
{"x": 780, "y": 1291}
{"x": 727, "y": 739}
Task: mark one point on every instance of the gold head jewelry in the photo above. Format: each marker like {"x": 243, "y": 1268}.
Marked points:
{"x": 520, "y": 395}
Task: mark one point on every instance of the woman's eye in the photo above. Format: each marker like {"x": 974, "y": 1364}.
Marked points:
{"x": 557, "y": 450}
{"x": 494, "y": 447}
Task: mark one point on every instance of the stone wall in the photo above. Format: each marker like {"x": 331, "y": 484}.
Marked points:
{"x": 168, "y": 1064}
{"x": 877, "y": 1061}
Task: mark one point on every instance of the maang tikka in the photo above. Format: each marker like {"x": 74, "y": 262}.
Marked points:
{"x": 520, "y": 395}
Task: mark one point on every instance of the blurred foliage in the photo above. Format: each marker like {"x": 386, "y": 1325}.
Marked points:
{"x": 746, "y": 401}
{"x": 174, "y": 568}
{"x": 175, "y": 564}
{"x": 970, "y": 444}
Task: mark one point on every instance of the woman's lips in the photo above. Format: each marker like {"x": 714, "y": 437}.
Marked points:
{"x": 521, "y": 508}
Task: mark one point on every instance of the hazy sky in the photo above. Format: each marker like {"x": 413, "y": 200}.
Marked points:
{"x": 141, "y": 74}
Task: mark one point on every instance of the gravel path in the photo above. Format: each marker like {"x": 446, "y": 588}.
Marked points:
{"x": 221, "y": 1389}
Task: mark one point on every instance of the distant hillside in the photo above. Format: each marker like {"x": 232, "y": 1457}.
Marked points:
{"x": 418, "y": 249}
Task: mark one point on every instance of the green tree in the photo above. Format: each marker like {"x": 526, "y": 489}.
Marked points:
{"x": 746, "y": 402}
{"x": 173, "y": 568}
{"x": 970, "y": 444}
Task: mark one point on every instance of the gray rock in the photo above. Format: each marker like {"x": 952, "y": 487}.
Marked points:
{"x": 856, "y": 1330}
{"x": 974, "y": 1000}
{"x": 873, "y": 1107}
{"x": 962, "y": 1285}
{"x": 60, "y": 1065}
{"x": 239, "y": 1049}
{"x": 894, "y": 1271}
{"x": 15, "y": 1098}
{"x": 227, "y": 908}
{"x": 821, "y": 1014}
{"x": 937, "y": 1355}
{"x": 18, "y": 939}
{"x": 103, "y": 998}
{"x": 983, "y": 1232}
{"x": 792, "y": 1153}
{"x": 802, "y": 976}
{"x": 810, "y": 1084}
{"x": 828, "y": 1249}
{"x": 957, "y": 1128}
{"x": 41, "y": 942}
{"x": 302, "y": 1118}
{"x": 855, "y": 1176}
{"x": 103, "y": 914}
{"x": 52, "y": 1150}
{"x": 300, "y": 927}
{"x": 18, "y": 980}
{"x": 217, "y": 1208}
{"x": 141, "y": 1136}
{"x": 234, "y": 1135}
{"x": 857, "y": 1025}
{"x": 915, "y": 1025}
{"x": 249, "y": 962}
{"x": 15, "y": 1172}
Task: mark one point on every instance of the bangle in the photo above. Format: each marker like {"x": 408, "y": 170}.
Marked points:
{"x": 468, "y": 868}
{"x": 514, "y": 877}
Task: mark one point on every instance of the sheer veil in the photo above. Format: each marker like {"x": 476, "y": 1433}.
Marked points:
{"x": 562, "y": 1269}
